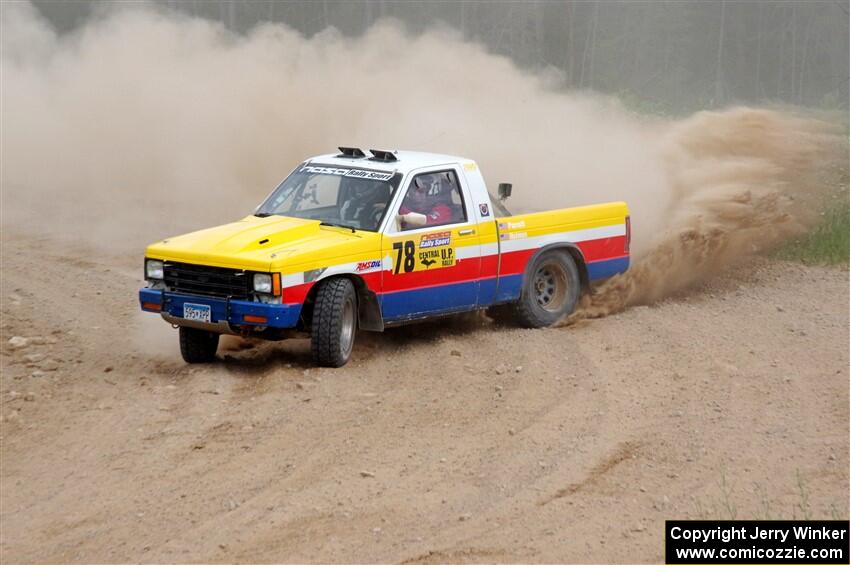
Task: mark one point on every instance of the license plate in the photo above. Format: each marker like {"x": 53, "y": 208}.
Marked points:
{"x": 197, "y": 312}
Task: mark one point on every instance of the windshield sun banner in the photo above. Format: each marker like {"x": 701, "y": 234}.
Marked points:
{"x": 343, "y": 172}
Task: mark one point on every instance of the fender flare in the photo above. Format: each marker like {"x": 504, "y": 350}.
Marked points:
{"x": 573, "y": 250}
{"x": 369, "y": 315}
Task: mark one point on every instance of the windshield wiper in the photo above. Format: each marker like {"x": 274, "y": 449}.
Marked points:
{"x": 263, "y": 214}
{"x": 334, "y": 224}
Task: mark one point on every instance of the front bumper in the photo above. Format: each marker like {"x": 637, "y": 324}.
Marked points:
{"x": 225, "y": 314}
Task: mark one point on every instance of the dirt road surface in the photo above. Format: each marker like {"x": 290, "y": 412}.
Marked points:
{"x": 454, "y": 441}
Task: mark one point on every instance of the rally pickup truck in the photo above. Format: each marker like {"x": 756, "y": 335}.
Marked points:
{"x": 349, "y": 241}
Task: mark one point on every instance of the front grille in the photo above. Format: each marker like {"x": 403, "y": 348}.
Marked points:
{"x": 207, "y": 281}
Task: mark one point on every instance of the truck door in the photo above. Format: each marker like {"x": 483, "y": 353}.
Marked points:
{"x": 435, "y": 261}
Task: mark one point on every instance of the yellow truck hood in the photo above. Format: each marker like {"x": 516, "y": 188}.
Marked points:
{"x": 258, "y": 243}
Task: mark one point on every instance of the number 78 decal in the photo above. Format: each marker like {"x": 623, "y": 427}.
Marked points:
{"x": 429, "y": 255}
{"x": 409, "y": 249}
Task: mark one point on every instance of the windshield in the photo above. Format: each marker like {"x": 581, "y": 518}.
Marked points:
{"x": 344, "y": 196}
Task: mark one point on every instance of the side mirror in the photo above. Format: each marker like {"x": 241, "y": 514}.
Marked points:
{"x": 505, "y": 190}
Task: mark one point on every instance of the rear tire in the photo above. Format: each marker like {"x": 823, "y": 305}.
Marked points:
{"x": 550, "y": 291}
{"x": 334, "y": 323}
{"x": 198, "y": 346}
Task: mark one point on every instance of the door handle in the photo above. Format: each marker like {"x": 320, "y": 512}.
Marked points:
{"x": 466, "y": 232}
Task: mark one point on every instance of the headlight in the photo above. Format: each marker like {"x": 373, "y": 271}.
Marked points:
{"x": 263, "y": 283}
{"x": 153, "y": 269}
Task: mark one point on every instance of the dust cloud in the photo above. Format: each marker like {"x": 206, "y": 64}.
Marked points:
{"x": 144, "y": 123}
{"x": 740, "y": 182}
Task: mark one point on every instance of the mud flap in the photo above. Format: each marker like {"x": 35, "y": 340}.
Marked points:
{"x": 369, "y": 315}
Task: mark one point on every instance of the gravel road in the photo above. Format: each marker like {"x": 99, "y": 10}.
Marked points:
{"x": 457, "y": 440}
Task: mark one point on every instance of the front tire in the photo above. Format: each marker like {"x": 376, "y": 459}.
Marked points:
{"x": 550, "y": 291}
{"x": 198, "y": 346}
{"x": 334, "y": 323}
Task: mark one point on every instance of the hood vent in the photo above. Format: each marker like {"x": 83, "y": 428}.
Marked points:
{"x": 383, "y": 156}
{"x": 351, "y": 153}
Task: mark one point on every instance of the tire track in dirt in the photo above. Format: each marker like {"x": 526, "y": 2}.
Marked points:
{"x": 623, "y": 452}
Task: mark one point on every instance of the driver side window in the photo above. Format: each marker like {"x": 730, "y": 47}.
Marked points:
{"x": 432, "y": 199}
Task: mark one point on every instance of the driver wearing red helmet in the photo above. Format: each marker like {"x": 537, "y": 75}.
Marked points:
{"x": 426, "y": 196}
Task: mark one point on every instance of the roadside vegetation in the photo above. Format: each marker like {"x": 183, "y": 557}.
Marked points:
{"x": 828, "y": 243}
{"x": 728, "y": 504}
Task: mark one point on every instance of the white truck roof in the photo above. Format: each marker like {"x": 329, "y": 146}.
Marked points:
{"x": 405, "y": 160}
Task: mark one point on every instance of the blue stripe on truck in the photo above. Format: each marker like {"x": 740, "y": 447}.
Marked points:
{"x": 444, "y": 298}
{"x": 502, "y": 289}
{"x": 607, "y": 268}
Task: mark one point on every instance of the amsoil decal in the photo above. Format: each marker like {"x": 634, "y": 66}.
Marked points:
{"x": 368, "y": 265}
{"x": 435, "y": 240}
